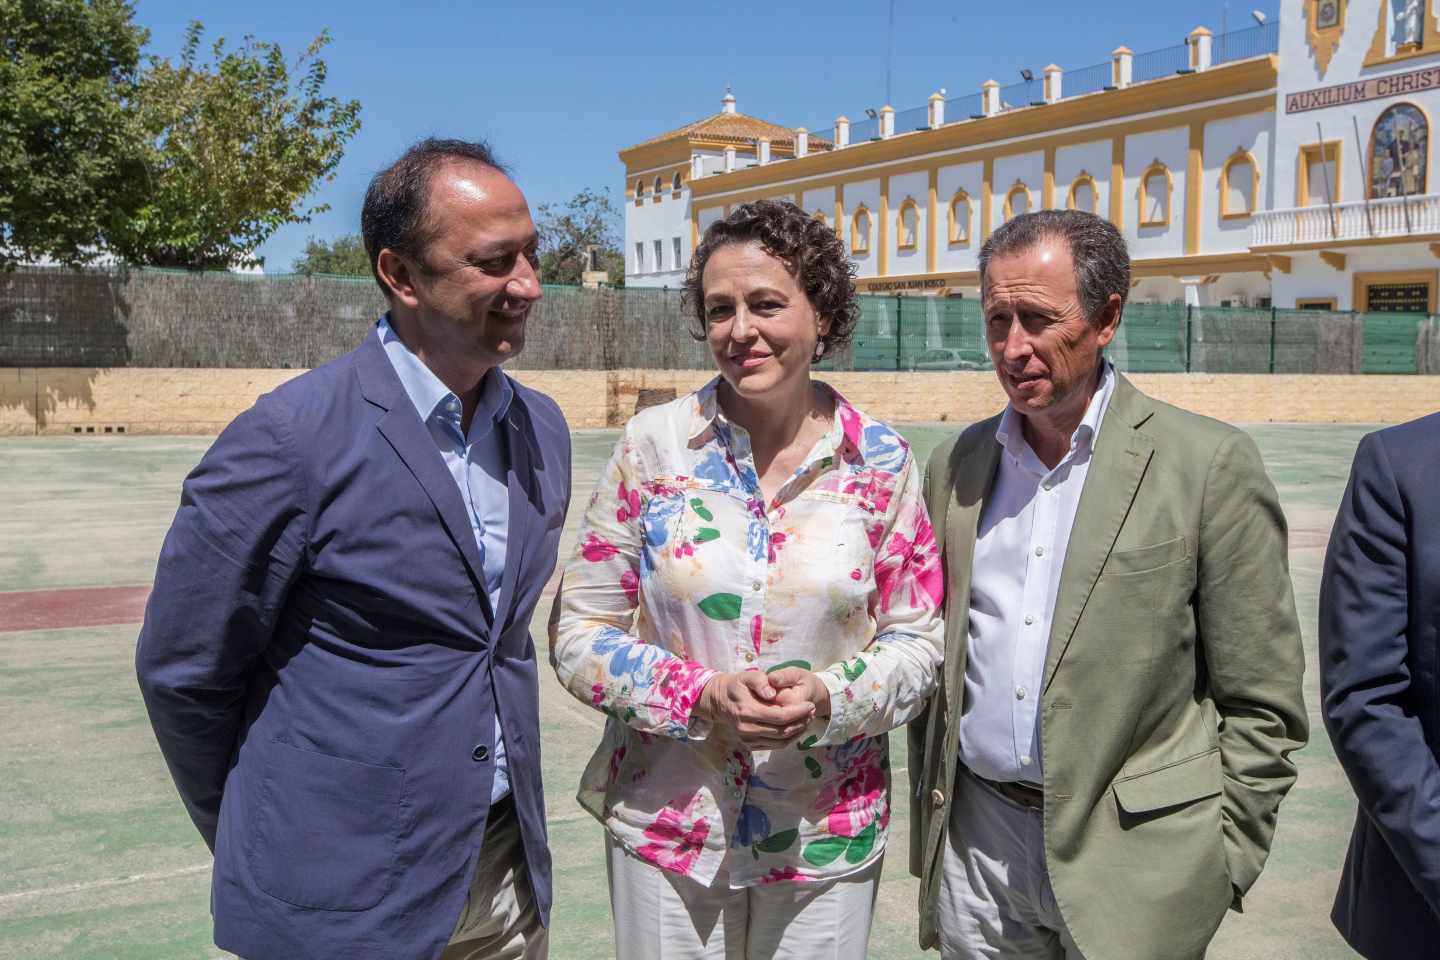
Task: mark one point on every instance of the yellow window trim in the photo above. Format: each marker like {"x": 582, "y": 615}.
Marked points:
{"x": 959, "y": 230}
{"x": 1361, "y": 291}
{"x": 1079, "y": 182}
{"x": 908, "y": 204}
{"x": 1303, "y": 187}
{"x": 1017, "y": 188}
{"x": 1156, "y": 168}
{"x": 1241, "y": 155}
{"x": 860, "y": 243}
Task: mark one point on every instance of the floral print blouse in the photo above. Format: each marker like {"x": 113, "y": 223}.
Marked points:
{"x": 682, "y": 571}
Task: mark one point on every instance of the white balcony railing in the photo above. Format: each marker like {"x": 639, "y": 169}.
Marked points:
{"x": 1390, "y": 217}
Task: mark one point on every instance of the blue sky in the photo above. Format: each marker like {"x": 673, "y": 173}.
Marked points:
{"x": 558, "y": 87}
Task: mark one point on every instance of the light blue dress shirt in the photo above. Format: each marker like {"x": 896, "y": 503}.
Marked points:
{"x": 1020, "y": 550}
{"x": 477, "y": 461}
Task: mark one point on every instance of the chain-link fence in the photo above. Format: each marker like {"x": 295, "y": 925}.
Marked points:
{"x": 149, "y": 318}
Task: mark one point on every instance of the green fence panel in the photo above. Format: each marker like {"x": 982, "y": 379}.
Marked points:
{"x": 1151, "y": 339}
{"x": 1390, "y": 341}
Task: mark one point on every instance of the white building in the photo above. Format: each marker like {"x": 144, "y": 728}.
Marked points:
{"x": 1207, "y": 156}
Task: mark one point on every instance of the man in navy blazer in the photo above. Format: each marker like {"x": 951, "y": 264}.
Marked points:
{"x": 1380, "y": 675}
{"x": 336, "y": 656}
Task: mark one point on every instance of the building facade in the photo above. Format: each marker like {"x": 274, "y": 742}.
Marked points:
{"x": 1289, "y": 163}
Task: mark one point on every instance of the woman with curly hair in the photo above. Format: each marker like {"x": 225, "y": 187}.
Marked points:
{"x": 754, "y": 604}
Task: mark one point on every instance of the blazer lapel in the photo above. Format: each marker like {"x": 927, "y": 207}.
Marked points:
{"x": 1117, "y": 466}
{"x": 407, "y": 434}
{"x": 520, "y": 482}
{"x": 974, "y": 479}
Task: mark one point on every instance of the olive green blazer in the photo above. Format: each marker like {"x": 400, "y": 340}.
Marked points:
{"x": 1171, "y": 697}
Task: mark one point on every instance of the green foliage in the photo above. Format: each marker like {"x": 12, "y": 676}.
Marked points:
{"x": 343, "y": 256}
{"x": 232, "y": 150}
{"x": 69, "y": 149}
{"x": 588, "y": 219}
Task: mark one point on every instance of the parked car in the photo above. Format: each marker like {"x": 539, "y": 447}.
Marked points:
{"x": 947, "y": 359}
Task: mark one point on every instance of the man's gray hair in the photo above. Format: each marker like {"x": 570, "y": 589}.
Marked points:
{"x": 1102, "y": 264}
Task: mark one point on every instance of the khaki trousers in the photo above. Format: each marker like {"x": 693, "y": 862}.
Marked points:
{"x": 996, "y": 902}
{"x": 499, "y": 920}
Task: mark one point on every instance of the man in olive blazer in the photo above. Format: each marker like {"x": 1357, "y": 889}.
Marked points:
{"x": 1170, "y": 696}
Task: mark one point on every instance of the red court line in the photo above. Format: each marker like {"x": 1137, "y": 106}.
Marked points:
{"x": 78, "y": 607}
{"x": 98, "y": 606}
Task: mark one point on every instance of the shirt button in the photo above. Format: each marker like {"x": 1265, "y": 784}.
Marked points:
{"x": 1024, "y": 761}
{"x": 755, "y": 584}
{"x": 1019, "y": 693}
{"x": 1039, "y": 551}
{"x": 749, "y": 658}
{"x": 1048, "y": 484}
{"x": 937, "y": 798}
{"x": 1029, "y": 619}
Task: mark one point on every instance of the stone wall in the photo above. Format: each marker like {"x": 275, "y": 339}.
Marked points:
{"x": 68, "y": 400}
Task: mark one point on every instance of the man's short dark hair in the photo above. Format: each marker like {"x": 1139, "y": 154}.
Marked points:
{"x": 394, "y": 214}
{"x": 1102, "y": 264}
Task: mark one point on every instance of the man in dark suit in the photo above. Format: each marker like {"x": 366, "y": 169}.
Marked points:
{"x": 1380, "y": 675}
{"x": 339, "y": 629}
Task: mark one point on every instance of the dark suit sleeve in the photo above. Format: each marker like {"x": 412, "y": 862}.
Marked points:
{"x": 1365, "y": 681}
{"x": 236, "y": 545}
{"x": 1252, "y": 648}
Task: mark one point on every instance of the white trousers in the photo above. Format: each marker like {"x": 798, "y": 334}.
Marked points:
{"x": 995, "y": 895}
{"x": 499, "y": 920}
{"x": 661, "y": 916}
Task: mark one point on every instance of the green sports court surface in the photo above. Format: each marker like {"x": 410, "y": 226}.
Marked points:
{"x": 98, "y": 859}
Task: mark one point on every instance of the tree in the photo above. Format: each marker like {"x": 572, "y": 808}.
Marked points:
{"x": 232, "y": 149}
{"x": 588, "y": 219}
{"x": 69, "y": 148}
{"x": 344, "y": 256}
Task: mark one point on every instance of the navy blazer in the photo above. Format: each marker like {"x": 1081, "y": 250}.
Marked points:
{"x": 323, "y": 670}
{"x": 1380, "y": 675}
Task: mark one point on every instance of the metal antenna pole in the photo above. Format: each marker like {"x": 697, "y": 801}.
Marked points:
{"x": 889, "y": 53}
{"x": 1365, "y": 176}
{"x": 1329, "y": 194}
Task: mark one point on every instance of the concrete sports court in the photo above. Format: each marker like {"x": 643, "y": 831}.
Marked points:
{"x": 98, "y": 860}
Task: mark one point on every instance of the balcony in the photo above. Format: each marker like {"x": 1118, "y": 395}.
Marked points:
{"x": 1417, "y": 216}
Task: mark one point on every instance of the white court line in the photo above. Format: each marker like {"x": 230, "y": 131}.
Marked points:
{"x": 559, "y": 820}
{"x": 104, "y": 884}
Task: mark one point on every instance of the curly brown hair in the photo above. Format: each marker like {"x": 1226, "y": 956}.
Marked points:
{"x": 812, "y": 252}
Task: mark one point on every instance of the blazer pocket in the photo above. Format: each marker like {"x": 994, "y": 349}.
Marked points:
{"x": 326, "y": 829}
{"x": 1145, "y": 559}
{"x": 1185, "y": 781}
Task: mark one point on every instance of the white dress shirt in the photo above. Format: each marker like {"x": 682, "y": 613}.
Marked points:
{"x": 477, "y": 461}
{"x": 1019, "y": 552}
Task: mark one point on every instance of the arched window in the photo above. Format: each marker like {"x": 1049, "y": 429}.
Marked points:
{"x": 960, "y": 218}
{"x": 1083, "y": 194}
{"x": 659, "y": 185}
{"x": 860, "y": 230}
{"x": 1017, "y": 201}
{"x": 1239, "y": 185}
{"x": 675, "y": 182}
{"x": 1399, "y": 152}
{"x": 907, "y": 225}
{"x": 639, "y": 190}
{"x": 1156, "y": 186}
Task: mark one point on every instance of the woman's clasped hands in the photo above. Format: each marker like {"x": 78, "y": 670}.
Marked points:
{"x": 766, "y": 711}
